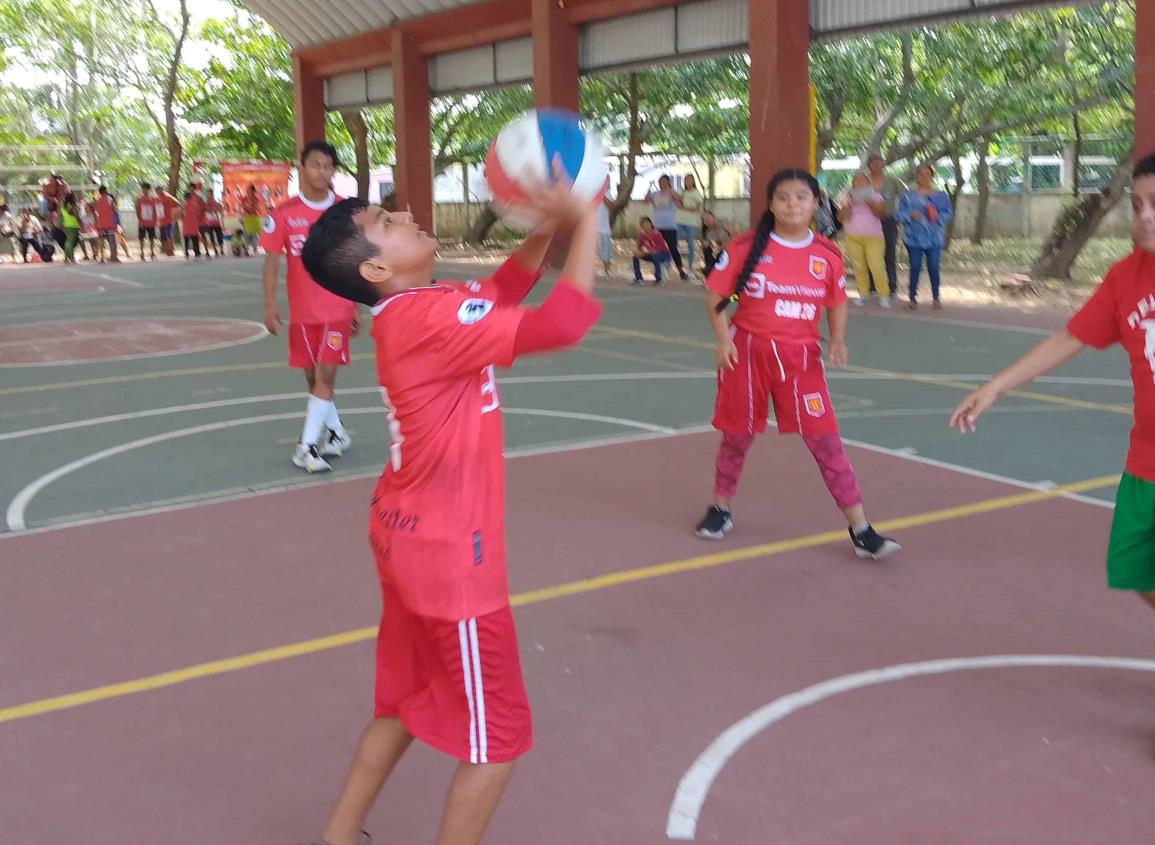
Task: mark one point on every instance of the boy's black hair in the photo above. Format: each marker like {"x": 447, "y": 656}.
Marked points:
{"x": 145, "y": 186}
{"x": 188, "y": 194}
{"x": 1144, "y": 167}
{"x": 103, "y": 190}
{"x": 645, "y": 220}
{"x": 335, "y": 249}
{"x": 765, "y": 227}
{"x": 321, "y": 147}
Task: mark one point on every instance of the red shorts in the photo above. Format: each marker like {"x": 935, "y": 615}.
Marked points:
{"x": 790, "y": 374}
{"x": 311, "y": 344}
{"x": 455, "y": 685}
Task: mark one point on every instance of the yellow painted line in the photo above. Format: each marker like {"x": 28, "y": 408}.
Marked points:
{"x": 194, "y": 371}
{"x": 573, "y": 588}
{"x": 912, "y": 377}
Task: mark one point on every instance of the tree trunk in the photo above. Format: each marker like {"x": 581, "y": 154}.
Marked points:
{"x": 984, "y": 179}
{"x": 355, "y": 122}
{"x": 959, "y": 180}
{"x": 634, "y": 150}
{"x": 711, "y": 177}
{"x": 1077, "y": 223}
{"x": 172, "y": 140}
{"x": 1076, "y": 155}
{"x": 481, "y": 226}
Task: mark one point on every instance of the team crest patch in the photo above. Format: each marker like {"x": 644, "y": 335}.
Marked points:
{"x": 723, "y": 261}
{"x": 335, "y": 341}
{"x": 814, "y": 404}
{"x": 473, "y": 311}
{"x": 818, "y": 267}
{"x": 270, "y": 225}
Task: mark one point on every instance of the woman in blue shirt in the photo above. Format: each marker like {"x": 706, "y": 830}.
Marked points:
{"x": 924, "y": 214}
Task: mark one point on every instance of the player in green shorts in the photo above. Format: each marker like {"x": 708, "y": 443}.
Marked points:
{"x": 1122, "y": 310}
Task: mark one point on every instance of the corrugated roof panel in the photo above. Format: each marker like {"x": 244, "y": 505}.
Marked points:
{"x": 627, "y": 40}
{"x": 379, "y": 82}
{"x": 462, "y": 70}
{"x": 712, "y": 25}
{"x": 514, "y": 60}
{"x": 836, "y": 17}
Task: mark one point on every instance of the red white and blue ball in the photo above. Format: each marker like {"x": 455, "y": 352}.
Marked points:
{"x": 522, "y": 156}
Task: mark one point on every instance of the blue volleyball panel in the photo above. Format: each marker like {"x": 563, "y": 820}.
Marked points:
{"x": 562, "y": 134}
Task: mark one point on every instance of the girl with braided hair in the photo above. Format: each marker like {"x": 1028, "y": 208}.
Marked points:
{"x": 781, "y": 275}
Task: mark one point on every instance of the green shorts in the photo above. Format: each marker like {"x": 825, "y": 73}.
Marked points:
{"x": 1131, "y": 550}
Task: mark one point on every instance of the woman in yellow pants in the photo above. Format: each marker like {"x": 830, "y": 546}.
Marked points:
{"x": 861, "y": 211}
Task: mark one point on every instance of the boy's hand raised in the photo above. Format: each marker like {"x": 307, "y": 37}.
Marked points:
{"x": 556, "y": 205}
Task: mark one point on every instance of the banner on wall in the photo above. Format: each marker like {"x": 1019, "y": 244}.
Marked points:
{"x": 270, "y": 177}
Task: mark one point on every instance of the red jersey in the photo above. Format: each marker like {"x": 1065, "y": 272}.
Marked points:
{"x": 437, "y": 516}
{"x": 251, "y": 206}
{"x": 105, "y": 213}
{"x": 166, "y": 204}
{"x": 1122, "y": 310}
{"x": 285, "y": 230}
{"x": 653, "y": 242}
{"x": 212, "y": 215}
{"x": 788, "y": 288}
{"x": 145, "y": 212}
{"x": 192, "y": 215}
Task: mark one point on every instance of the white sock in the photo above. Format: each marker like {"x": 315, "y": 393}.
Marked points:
{"x": 333, "y": 421}
{"x": 860, "y": 528}
{"x": 316, "y": 413}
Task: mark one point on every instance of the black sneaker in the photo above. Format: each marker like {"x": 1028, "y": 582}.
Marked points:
{"x": 715, "y": 525}
{"x": 871, "y": 544}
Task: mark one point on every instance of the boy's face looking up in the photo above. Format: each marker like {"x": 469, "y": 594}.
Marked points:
{"x": 1143, "y": 217}
{"x": 405, "y": 253}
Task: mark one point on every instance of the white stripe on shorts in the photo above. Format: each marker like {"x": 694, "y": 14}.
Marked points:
{"x": 479, "y": 696}
{"x": 466, "y": 662}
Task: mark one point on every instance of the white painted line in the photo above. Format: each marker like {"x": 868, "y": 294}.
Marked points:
{"x": 682, "y": 819}
{"x": 977, "y": 473}
{"x": 258, "y": 333}
{"x": 108, "y": 277}
{"x": 220, "y": 497}
{"x": 19, "y": 504}
{"x": 284, "y": 397}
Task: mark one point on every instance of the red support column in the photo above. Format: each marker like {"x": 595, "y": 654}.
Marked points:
{"x": 414, "y": 174}
{"x": 555, "y": 57}
{"x": 779, "y": 92}
{"x": 1144, "y": 78}
{"x": 308, "y": 102}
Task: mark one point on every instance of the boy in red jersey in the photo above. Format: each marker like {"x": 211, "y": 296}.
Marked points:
{"x": 447, "y": 660}
{"x": 782, "y": 276}
{"x": 146, "y": 220}
{"x": 320, "y": 323}
{"x": 1122, "y": 310}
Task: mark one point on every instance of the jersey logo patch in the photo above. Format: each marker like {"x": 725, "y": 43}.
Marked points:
{"x": 723, "y": 261}
{"x": 473, "y": 311}
{"x": 814, "y": 404}
{"x": 817, "y": 267}
{"x": 474, "y": 285}
{"x": 335, "y": 341}
{"x": 270, "y": 225}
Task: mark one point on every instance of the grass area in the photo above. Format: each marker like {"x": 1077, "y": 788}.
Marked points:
{"x": 1001, "y": 256}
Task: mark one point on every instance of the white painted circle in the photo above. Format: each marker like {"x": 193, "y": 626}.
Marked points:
{"x": 682, "y": 820}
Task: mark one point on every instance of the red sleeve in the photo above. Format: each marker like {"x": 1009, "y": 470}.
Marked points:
{"x": 836, "y": 284}
{"x": 725, "y": 272}
{"x": 273, "y": 233}
{"x": 561, "y": 321}
{"x": 511, "y": 283}
{"x": 1096, "y": 323}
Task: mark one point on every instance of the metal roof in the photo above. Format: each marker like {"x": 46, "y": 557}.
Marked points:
{"x": 302, "y": 26}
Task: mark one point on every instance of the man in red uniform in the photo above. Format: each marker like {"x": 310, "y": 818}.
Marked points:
{"x": 320, "y": 323}
{"x": 212, "y": 234}
{"x": 447, "y": 659}
{"x": 146, "y": 220}
{"x": 166, "y": 206}
{"x": 106, "y": 223}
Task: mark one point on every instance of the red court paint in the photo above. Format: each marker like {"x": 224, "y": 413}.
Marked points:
{"x": 118, "y": 339}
